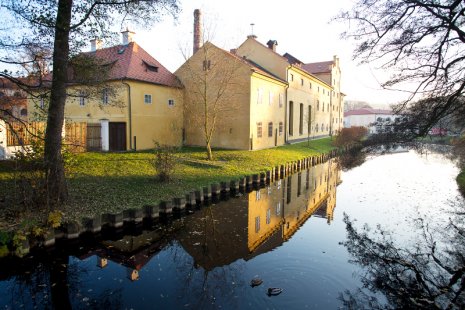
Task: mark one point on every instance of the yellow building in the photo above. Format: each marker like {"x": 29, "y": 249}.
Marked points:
{"x": 238, "y": 103}
{"x": 309, "y": 104}
{"x": 139, "y": 103}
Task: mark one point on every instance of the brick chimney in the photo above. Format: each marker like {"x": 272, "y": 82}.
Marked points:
{"x": 197, "y": 30}
{"x": 272, "y": 44}
{"x": 127, "y": 36}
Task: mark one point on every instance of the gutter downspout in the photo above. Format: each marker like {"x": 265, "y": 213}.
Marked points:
{"x": 129, "y": 113}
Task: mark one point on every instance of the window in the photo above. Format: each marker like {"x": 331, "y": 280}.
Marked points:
{"x": 23, "y": 112}
{"x": 259, "y": 129}
{"x": 270, "y": 129}
{"x": 316, "y": 127}
{"x": 42, "y": 102}
{"x": 268, "y": 216}
{"x": 322, "y": 127}
{"x": 292, "y": 77}
{"x": 327, "y": 107}
{"x": 278, "y": 208}
{"x": 318, "y": 88}
{"x": 310, "y": 84}
{"x": 301, "y": 82}
{"x": 257, "y": 195}
{"x": 280, "y": 128}
{"x": 82, "y": 98}
{"x": 301, "y": 119}
{"x": 291, "y": 118}
{"x": 257, "y": 224}
{"x": 171, "y": 102}
{"x": 206, "y": 65}
{"x": 270, "y": 98}
{"x": 318, "y": 105}
{"x": 259, "y": 95}
{"x": 105, "y": 94}
{"x": 147, "y": 99}
{"x": 281, "y": 99}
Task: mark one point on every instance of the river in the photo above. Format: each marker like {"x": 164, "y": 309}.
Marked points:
{"x": 290, "y": 234}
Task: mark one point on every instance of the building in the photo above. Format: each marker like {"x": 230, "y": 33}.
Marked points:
{"x": 240, "y": 104}
{"x": 13, "y": 101}
{"x": 138, "y": 103}
{"x": 313, "y": 104}
{"x": 375, "y": 120}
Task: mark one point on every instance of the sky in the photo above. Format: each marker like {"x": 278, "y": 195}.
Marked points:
{"x": 301, "y": 28}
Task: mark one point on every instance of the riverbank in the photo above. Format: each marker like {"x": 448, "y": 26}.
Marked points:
{"x": 112, "y": 182}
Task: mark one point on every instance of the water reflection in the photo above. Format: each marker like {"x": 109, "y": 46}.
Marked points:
{"x": 261, "y": 220}
{"x": 99, "y": 272}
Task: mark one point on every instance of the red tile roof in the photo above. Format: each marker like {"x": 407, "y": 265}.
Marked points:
{"x": 132, "y": 62}
{"x": 367, "y": 111}
{"x": 318, "y": 67}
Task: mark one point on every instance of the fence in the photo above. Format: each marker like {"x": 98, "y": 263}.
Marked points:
{"x": 19, "y": 134}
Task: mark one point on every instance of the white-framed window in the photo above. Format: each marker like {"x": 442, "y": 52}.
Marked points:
{"x": 259, "y": 129}
{"x": 268, "y": 216}
{"x": 281, "y": 100}
{"x": 259, "y": 95}
{"x": 82, "y": 98}
{"x": 171, "y": 102}
{"x": 42, "y": 102}
{"x": 148, "y": 99}
{"x": 105, "y": 96}
{"x": 257, "y": 195}
{"x": 280, "y": 130}
{"x": 270, "y": 129}
{"x": 278, "y": 208}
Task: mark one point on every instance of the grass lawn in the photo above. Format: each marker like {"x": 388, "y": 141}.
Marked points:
{"x": 112, "y": 182}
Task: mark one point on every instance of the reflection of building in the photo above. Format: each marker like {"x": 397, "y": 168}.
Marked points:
{"x": 239, "y": 228}
{"x": 262, "y": 220}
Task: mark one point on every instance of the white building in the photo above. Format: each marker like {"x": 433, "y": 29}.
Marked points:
{"x": 376, "y": 120}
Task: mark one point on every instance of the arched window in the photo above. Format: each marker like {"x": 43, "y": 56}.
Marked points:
{"x": 23, "y": 112}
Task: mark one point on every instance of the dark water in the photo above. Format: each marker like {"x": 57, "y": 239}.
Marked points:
{"x": 289, "y": 234}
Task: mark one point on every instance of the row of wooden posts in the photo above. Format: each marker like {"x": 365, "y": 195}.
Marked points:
{"x": 72, "y": 230}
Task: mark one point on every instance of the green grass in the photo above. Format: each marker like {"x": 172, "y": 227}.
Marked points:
{"x": 112, "y": 182}
{"x": 461, "y": 181}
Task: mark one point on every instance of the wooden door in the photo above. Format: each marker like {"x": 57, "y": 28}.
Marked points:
{"x": 94, "y": 137}
{"x": 117, "y": 136}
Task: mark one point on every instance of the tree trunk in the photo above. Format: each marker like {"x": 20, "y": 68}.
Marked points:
{"x": 57, "y": 191}
{"x": 209, "y": 151}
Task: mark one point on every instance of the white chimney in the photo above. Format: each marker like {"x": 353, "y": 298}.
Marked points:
{"x": 127, "y": 36}
{"x": 95, "y": 44}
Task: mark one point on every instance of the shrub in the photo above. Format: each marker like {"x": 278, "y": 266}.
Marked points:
{"x": 165, "y": 161}
{"x": 349, "y": 137}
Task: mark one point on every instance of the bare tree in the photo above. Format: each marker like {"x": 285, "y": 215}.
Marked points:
{"x": 60, "y": 26}
{"x": 422, "y": 43}
{"x": 212, "y": 79}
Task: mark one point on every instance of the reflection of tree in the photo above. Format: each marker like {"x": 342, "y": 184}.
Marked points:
{"x": 430, "y": 275}
{"x": 351, "y": 158}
